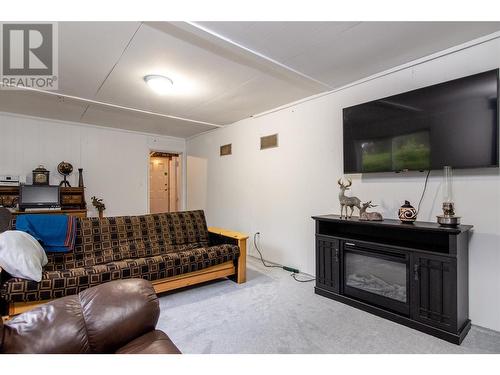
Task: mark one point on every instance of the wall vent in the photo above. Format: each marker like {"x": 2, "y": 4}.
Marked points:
{"x": 269, "y": 141}
{"x": 226, "y": 150}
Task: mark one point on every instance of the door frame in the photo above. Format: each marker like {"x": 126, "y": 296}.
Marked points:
{"x": 183, "y": 185}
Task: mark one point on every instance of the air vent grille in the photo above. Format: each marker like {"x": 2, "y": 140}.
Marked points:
{"x": 269, "y": 141}
{"x": 226, "y": 150}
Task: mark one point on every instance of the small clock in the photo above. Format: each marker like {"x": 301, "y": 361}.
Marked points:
{"x": 40, "y": 176}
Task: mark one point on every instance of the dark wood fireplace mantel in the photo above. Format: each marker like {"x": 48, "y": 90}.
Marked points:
{"x": 428, "y": 287}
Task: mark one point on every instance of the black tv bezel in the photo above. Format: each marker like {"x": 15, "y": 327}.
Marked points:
{"x": 497, "y": 71}
{"x": 23, "y": 206}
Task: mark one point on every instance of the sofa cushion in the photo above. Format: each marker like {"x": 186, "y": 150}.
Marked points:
{"x": 60, "y": 283}
{"x": 100, "y": 241}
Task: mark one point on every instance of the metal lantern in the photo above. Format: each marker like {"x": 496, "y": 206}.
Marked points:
{"x": 448, "y": 218}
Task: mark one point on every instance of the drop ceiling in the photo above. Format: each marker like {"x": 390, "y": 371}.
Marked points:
{"x": 222, "y": 71}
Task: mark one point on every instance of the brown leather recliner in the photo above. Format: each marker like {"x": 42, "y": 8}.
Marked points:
{"x": 115, "y": 317}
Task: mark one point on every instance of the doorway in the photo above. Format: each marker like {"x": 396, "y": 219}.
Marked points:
{"x": 164, "y": 182}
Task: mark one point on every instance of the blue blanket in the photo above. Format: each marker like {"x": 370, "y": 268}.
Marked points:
{"x": 56, "y": 233}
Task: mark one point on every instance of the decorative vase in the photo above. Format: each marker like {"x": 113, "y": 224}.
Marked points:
{"x": 407, "y": 213}
{"x": 80, "y": 177}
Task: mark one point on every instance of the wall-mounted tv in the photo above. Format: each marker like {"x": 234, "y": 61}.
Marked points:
{"x": 453, "y": 123}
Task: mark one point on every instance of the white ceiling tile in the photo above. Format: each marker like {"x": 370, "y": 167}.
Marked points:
{"x": 88, "y": 51}
{"x": 241, "y": 103}
{"x": 278, "y": 40}
{"x": 341, "y": 52}
{"x": 201, "y": 71}
{"x": 372, "y": 47}
{"x": 34, "y": 104}
{"x": 216, "y": 80}
{"x": 135, "y": 121}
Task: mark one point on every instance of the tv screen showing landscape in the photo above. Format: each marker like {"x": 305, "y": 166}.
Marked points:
{"x": 453, "y": 123}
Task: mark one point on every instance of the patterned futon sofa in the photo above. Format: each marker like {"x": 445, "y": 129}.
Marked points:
{"x": 157, "y": 247}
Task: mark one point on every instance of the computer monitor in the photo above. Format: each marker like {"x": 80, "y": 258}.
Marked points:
{"x": 36, "y": 196}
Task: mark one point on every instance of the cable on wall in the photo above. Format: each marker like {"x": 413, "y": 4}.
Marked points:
{"x": 293, "y": 271}
{"x": 260, "y": 254}
{"x": 423, "y": 191}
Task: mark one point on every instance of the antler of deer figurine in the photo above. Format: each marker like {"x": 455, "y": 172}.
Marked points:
{"x": 345, "y": 202}
{"x": 369, "y": 216}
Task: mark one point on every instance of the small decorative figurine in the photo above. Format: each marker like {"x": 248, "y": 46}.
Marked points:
{"x": 369, "y": 216}
{"x": 345, "y": 202}
{"x": 99, "y": 205}
{"x": 64, "y": 168}
{"x": 407, "y": 213}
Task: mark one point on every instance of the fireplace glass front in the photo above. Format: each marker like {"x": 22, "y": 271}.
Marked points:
{"x": 376, "y": 275}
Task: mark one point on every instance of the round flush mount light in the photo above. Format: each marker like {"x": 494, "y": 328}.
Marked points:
{"x": 159, "y": 84}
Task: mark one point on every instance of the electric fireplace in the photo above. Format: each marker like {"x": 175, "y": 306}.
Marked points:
{"x": 414, "y": 274}
{"x": 379, "y": 277}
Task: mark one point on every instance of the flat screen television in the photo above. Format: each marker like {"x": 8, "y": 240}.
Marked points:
{"x": 38, "y": 196}
{"x": 453, "y": 123}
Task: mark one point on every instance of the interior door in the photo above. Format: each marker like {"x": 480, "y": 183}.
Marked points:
{"x": 159, "y": 185}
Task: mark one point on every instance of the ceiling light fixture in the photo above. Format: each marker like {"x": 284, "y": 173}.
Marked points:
{"x": 159, "y": 84}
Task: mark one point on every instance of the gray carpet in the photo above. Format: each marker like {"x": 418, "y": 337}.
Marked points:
{"x": 272, "y": 313}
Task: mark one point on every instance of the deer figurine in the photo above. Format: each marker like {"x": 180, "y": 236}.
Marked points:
{"x": 369, "y": 216}
{"x": 345, "y": 202}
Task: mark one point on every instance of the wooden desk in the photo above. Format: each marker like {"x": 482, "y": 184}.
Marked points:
{"x": 71, "y": 198}
{"x": 77, "y": 213}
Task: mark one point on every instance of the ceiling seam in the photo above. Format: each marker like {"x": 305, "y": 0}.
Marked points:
{"x": 112, "y": 68}
{"x": 116, "y": 106}
{"x": 256, "y": 53}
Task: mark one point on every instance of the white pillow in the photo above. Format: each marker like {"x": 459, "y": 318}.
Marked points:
{"x": 21, "y": 255}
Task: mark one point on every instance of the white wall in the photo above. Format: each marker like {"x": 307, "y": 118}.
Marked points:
{"x": 277, "y": 190}
{"x": 114, "y": 162}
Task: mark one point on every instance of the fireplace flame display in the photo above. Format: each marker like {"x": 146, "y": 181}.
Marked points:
{"x": 377, "y": 275}
{"x": 374, "y": 284}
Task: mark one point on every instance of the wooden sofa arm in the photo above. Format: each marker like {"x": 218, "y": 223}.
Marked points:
{"x": 241, "y": 240}
{"x": 228, "y": 233}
